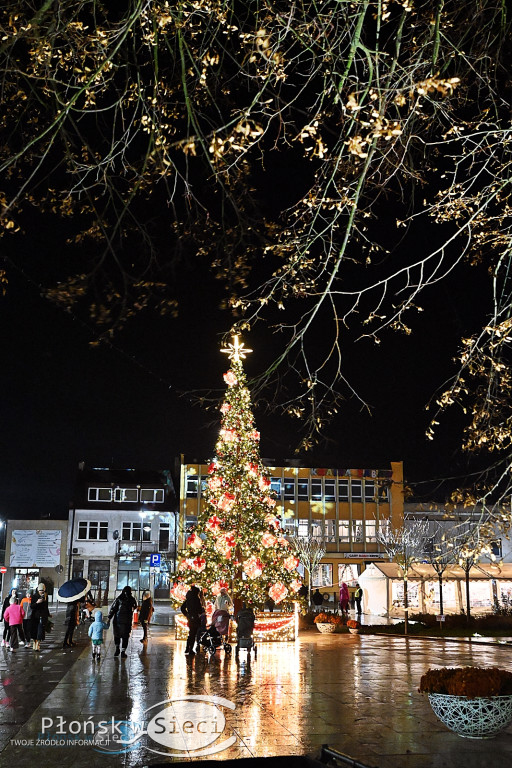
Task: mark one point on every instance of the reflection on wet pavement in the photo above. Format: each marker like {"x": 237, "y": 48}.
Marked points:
{"x": 355, "y": 693}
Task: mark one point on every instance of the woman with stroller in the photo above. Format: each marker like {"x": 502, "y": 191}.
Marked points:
{"x": 193, "y": 609}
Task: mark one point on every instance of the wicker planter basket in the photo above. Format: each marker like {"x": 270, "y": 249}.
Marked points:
{"x": 326, "y": 629}
{"x": 354, "y": 630}
{"x": 480, "y": 718}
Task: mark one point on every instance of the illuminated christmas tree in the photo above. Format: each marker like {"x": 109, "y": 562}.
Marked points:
{"x": 238, "y": 542}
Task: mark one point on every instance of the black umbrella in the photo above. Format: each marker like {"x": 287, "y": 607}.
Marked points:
{"x": 73, "y": 590}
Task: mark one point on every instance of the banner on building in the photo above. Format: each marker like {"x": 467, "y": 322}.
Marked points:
{"x": 35, "y": 549}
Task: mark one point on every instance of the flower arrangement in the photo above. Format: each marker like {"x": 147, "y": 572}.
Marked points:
{"x": 473, "y": 682}
{"x": 353, "y": 624}
{"x": 328, "y": 618}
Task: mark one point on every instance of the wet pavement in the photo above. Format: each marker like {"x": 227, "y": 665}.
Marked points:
{"x": 357, "y": 693}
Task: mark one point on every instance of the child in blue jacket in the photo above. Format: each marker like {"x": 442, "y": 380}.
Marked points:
{"x": 96, "y": 634}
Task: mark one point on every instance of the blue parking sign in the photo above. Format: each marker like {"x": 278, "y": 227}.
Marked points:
{"x": 155, "y": 561}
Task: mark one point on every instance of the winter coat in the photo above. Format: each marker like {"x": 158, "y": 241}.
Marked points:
{"x": 192, "y": 606}
{"x": 72, "y": 614}
{"x": 223, "y": 602}
{"x": 97, "y": 627}
{"x": 39, "y": 610}
{"x": 318, "y": 599}
{"x": 6, "y": 604}
{"x": 146, "y": 609}
{"x": 122, "y": 610}
{"x": 344, "y": 593}
{"x": 14, "y": 614}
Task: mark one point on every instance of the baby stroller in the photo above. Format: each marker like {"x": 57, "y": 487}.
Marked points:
{"x": 244, "y": 633}
{"x": 216, "y": 635}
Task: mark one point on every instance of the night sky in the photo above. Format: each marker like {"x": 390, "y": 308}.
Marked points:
{"x": 64, "y": 401}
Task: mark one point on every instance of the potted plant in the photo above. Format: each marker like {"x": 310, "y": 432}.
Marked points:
{"x": 327, "y": 622}
{"x": 354, "y": 626}
{"x": 475, "y": 702}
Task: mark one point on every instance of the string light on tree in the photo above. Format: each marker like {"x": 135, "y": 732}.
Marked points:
{"x": 238, "y": 540}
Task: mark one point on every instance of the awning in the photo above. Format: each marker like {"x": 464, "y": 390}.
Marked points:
{"x": 425, "y": 572}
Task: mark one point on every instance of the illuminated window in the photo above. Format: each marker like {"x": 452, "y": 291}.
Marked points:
{"x": 204, "y": 484}
{"x": 100, "y": 494}
{"x": 317, "y": 529}
{"x": 92, "y": 530}
{"x": 152, "y": 495}
{"x": 126, "y": 494}
{"x": 322, "y": 575}
{"x": 357, "y": 531}
{"x": 357, "y": 490}
{"x": 371, "y": 530}
{"x": 330, "y": 530}
{"x": 344, "y": 530}
{"x": 303, "y": 529}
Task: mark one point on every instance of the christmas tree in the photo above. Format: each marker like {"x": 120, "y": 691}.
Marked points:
{"x": 238, "y": 542}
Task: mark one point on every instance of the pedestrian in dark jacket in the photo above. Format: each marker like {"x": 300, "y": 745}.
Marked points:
{"x": 121, "y": 614}
{"x": 72, "y": 619}
{"x": 39, "y": 617}
{"x": 145, "y": 614}
{"x": 193, "y": 609}
{"x": 317, "y": 598}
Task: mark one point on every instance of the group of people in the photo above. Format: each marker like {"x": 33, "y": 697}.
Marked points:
{"x": 194, "y": 610}
{"x": 343, "y": 600}
{"x": 25, "y": 619}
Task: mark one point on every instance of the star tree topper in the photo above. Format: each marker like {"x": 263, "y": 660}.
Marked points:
{"x": 236, "y": 351}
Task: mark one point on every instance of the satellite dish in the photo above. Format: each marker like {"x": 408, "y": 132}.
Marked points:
{"x": 115, "y": 535}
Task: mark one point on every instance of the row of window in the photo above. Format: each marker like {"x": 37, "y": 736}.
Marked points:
{"x": 134, "y": 495}
{"x": 93, "y": 530}
{"x": 305, "y": 489}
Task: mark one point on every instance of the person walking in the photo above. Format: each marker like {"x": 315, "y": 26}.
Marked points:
{"x": 145, "y": 614}
{"x": 39, "y": 617}
{"x": 192, "y": 608}
{"x": 72, "y": 620}
{"x": 318, "y": 599}
{"x": 95, "y": 632}
{"x": 344, "y": 598}
{"x": 121, "y": 615}
{"x": 25, "y": 604}
{"x": 6, "y": 603}
{"x": 14, "y": 614}
{"x": 358, "y": 596}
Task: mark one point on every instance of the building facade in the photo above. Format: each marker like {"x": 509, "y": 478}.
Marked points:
{"x": 123, "y": 531}
{"x": 345, "y": 508}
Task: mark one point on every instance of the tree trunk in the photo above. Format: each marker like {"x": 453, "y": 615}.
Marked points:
{"x": 468, "y": 604}
{"x": 406, "y": 606}
{"x": 440, "y": 577}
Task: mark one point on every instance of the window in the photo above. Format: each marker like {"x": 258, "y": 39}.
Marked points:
{"x": 316, "y": 490}
{"x": 496, "y": 548}
{"x": 100, "y": 494}
{"x": 371, "y": 530}
{"x": 330, "y": 530}
{"x": 192, "y": 487}
{"x": 133, "y": 532}
{"x": 303, "y": 490}
{"x": 303, "y": 529}
{"x": 152, "y": 495}
{"x": 347, "y": 572}
{"x": 190, "y": 523}
{"x": 275, "y": 485}
{"x": 164, "y": 537}
{"x": 357, "y": 490}
{"x": 289, "y": 490}
{"x": 357, "y": 531}
{"x": 289, "y": 525}
{"x": 92, "y": 530}
{"x": 384, "y": 527}
{"x": 329, "y": 486}
{"x": 369, "y": 490}
{"x": 126, "y": 494}
{"x": 344, "y": 530}
{"x": 342, "y": 490}
{"x": 384, "y": 492}
{"x": 317, "y": 529}
{"x": 204, "y": 484}
{"x": 322, "y": 575}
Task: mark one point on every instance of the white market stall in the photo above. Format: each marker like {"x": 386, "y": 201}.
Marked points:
{"x": 382, "y": 585}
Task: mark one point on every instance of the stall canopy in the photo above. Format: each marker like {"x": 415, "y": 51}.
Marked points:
{"x": 425, "y": 572}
